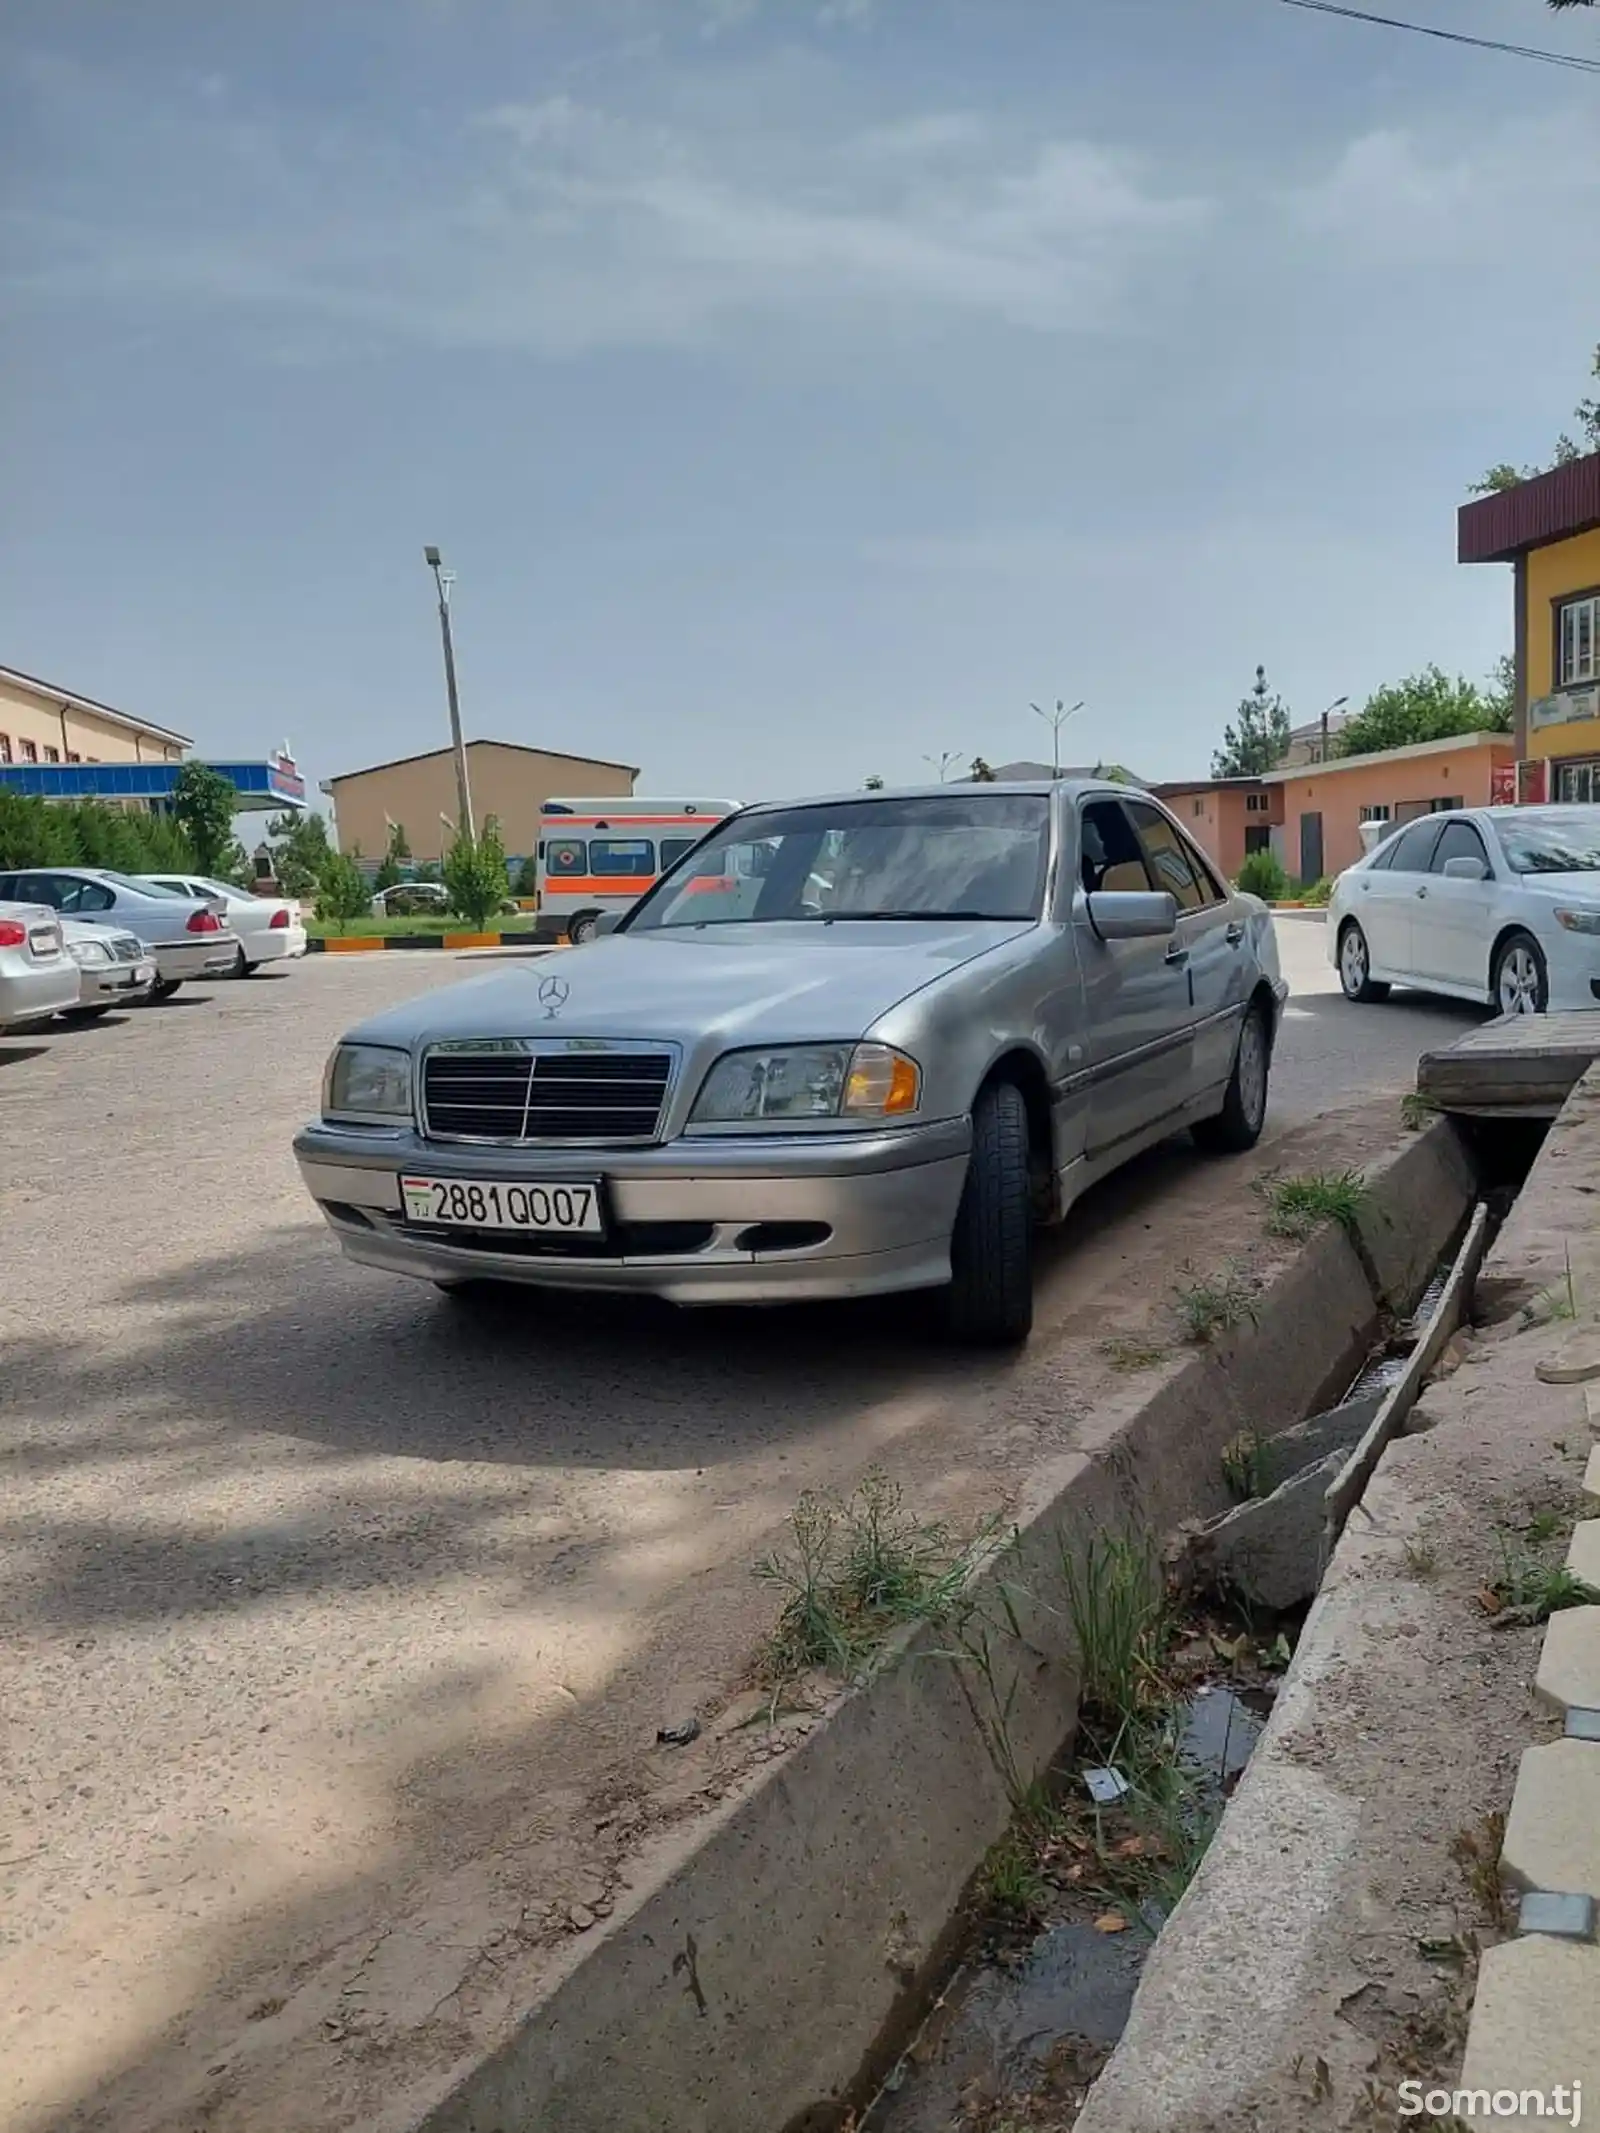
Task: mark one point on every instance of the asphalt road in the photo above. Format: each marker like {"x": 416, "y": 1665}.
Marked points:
{"x": 323, "y": 1601}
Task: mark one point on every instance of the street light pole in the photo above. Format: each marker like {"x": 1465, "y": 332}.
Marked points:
{"x": 1055, "y": 720}
{"x": 443, "y": 580}
{"x": 1338, "y": 704}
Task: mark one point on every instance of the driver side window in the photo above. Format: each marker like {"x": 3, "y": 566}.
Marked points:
{"x": 1109, "y": 853}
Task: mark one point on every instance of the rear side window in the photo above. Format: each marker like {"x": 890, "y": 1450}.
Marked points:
{"x": 1168, "y": 856}
{"x": 84, "y": 896}
{"x": 1413, "y": 848}
{"x": 673, "y": 849}
{"x": 634, "y": 856}
{"x": 566, "y": 855}
{"x": 1111, "y": 856}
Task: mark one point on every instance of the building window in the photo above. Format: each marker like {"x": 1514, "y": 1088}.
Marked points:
{"x": 1578, "y": 782}
{"x": 1257, "y": 838}
{"x": 5, "y": 747}
{"x": 1199, "y": 810}
{"x": 1255, "y": 803}
{"x": 73, "y": 756}
{"x": 1375, "y": 814}
{"x": 52, "y": 755}
{"x": 1445, "y": 807}
{"x": 30, "y": 752}
{"x": 1578, "y": 641}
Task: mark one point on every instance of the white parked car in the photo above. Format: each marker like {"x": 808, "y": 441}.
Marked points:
{"x": 269, "y": 928}
{"x": 1500, "y": 904}
{"x": 183, "y": 934}
{"x": 38, "y": 978}
{"x": 115, "y": 969}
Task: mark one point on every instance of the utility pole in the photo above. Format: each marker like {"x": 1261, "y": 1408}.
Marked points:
{"x": 942, "y": 762}
{"x": 1055, "y": 720}
{"x": 1338, "y": 704}
{"x": 443, "y": 580}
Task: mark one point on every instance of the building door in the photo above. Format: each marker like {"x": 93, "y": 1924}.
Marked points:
{"x": 1310, "y": 848}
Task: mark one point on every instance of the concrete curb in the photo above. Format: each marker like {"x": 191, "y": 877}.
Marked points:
{"x": 423, "y": 943}
{"x": 768, "y": 1966}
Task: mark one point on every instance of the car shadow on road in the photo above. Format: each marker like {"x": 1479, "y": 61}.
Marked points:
{"x": 15, "y": 1054}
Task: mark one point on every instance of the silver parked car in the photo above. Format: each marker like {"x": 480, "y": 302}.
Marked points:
{"x": 115, "y": 969}
{"x": 38, "y": 978}
{"x": 184, "y": 934}
{"x": 845, "y": 1046}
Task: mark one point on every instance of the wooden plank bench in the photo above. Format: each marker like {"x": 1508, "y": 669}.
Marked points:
{"x": 1518, "y": 1066}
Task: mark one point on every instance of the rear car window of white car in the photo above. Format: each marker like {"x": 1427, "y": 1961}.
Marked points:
{"x": 1413, "y": 848}
{"x": 1168, "y": 856}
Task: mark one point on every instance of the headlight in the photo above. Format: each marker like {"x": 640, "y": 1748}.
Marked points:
{"x": 800, "y": 1081}
{"x": 1579, "y": 918}
{"x": 88, "y": 953}
{"x": 367, "y": 1081}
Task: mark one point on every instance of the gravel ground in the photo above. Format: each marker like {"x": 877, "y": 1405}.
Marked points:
{"x": 339, "y": 1623}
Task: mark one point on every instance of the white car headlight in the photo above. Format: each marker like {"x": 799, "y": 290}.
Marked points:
{"x": 1579, "y": 918}
{"x": 800, "y": 1081}
{"x": 367, "y": 1081}
{"x": 88, "y": 955}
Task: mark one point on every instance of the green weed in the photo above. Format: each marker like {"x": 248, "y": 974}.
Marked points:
{"x": 1247, "y": 1466}
{"x": 1209, "y": 1307}
{"x": 1117, "y": 1610}
{"x": 1123, "y": 1353}
{"x": 1528, "y": 1591}
{"x": 1417, "y": 1111}
{"x": 1296, "y": 1206}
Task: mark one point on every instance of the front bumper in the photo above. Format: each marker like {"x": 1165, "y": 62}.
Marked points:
{"x": 694, "y": 1220}
{"x": 103, "y": 984}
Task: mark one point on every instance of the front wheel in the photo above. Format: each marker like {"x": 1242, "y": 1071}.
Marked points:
{"x": 582, "y": 928}
{"x": 1238, "y": 1124}
{"x": 1354, "y": 962}
{"x": 1521, "y": 978}
{"x": 164, "y": 988}
{"x": 991, "y": 1246}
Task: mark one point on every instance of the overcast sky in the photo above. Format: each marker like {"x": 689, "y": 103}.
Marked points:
{"x": 797, "y": 386}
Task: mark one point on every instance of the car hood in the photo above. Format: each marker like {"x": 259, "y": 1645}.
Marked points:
{"x": 1582, "y": 887}
{"x": 758, "y": 984}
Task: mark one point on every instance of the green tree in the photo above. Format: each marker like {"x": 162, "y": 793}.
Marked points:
{"x": 342, "y": 891}
{"x": 202, "y": 806}
{"x": 1258, "y": 738}
{"x": 981, "y": 773}
{"x": 527, "y": 881}
{"x": 399, "y": 844}
{"x": 1429, "y": 706}
{"x": 1586, "y": 415}
{"x": 300, "y": 850}
{"x": 388, "y": 872}
{"x": 1262, "y": 875}
{"x": 475, "y": 874}
{"x": 873, "y": 784}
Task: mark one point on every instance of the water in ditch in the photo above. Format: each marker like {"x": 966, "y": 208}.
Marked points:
{"x": 1031, "y": 2016}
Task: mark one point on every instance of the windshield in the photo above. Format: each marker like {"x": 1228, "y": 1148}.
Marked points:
{"x": 1551, "y": 840}
{"x": 965, "y": 855}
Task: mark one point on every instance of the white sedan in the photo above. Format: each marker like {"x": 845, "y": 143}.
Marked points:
{"x": 115, "y": 969}
{"x": 1500, "y": 904}
{"x": 269, "y": 928}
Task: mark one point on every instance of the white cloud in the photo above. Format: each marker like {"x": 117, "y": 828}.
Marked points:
{"x": 557, "y": 225}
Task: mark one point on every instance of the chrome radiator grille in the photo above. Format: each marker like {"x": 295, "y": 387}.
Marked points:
{"x": 519, "y": 1093}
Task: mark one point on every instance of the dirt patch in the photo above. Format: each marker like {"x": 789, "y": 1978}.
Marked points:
{"x": 382, "y": 1721}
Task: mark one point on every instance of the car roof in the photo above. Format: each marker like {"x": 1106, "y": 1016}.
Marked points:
{"x": 965, "y": 787}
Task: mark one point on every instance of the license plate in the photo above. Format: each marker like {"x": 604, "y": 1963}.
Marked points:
{"x": 468, "y": 1203}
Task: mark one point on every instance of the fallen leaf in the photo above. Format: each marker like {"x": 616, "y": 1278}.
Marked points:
{"x": 1489, "y": 1600}
{"x": 1129, "y": 1848}
{"x": 1111, "y": 1922}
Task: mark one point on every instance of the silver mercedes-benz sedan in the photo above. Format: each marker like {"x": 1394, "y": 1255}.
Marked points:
{"x": 845, "y": 1046}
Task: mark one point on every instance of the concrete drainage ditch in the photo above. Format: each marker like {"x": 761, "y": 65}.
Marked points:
{"x": 770, "y": 1974}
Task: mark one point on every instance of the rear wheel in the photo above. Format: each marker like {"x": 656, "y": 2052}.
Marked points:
{"x": 242, "y": 965}
{"x": 1354, "y": 963}
{"x": 991, "y": 1246}
{"x": 164, "y": 988}
{"x": 1521, "y": 980}
{"x": 1238, "y": 1124}
{"x": 582, "y": 928}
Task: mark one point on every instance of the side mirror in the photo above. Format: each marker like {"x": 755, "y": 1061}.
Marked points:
{"x": 1132, "y": 914}
{"x": 1465, "y": 869}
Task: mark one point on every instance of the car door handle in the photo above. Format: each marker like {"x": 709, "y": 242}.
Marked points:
{"x": 1234, "y": 934}
{"x": 1177, "y": 953}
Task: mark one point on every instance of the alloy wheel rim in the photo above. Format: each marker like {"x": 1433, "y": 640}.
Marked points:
{"x": 1253, "y": 1070}
{"x": 1519, "y": 983}
{"x": 1353, "y": 961}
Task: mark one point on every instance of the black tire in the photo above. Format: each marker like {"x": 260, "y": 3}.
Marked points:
{"x": 581, "y": 927}
{"x": 1354, "y": 963}
{"x": 242, "y": 965}
{"x": 1238, "y": 1124}
{"x": 164, "y": 988}
{"x": 1520, "y": 975}
{"x": 991, "y": 1246}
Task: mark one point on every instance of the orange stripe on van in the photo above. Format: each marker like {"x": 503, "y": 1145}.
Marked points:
{"x": 596, "y": 884}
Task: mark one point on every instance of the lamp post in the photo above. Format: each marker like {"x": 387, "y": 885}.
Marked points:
{"x": 942, "y": 761}
{"x": 1055, "y": 720}
{"x": 1338, "y": 704}
{"x": 443, "y": 580}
